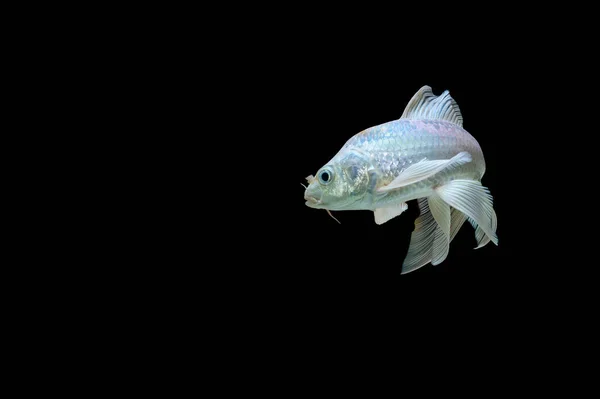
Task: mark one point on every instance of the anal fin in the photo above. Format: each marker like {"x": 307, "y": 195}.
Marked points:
{"x": 457, "y": 220}
{"x": 421, "y": 249}
{"x": 441, "y": 237}
{"x": 421, "y": 239}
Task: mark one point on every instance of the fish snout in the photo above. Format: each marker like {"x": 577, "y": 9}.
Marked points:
{"x": 312, "y": 196}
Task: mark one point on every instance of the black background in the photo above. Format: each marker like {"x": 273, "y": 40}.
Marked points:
{"x": 237, "y": 253}
{"x": 286, "y": 110}
{"x": 300, "y": 257}
{"x": 280, "y": 109}
{"x": 223, "y": 256}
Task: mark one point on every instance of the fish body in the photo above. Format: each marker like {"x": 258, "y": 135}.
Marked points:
{"x": 426, "y": 155}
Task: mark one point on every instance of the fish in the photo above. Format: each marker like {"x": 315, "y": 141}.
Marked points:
{"x": 425, "y": 156}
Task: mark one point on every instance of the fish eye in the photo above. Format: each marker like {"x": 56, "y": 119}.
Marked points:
{"x": 325, "y": 176}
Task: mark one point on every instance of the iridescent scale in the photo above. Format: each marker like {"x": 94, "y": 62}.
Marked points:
{"x": 394, "y": 146}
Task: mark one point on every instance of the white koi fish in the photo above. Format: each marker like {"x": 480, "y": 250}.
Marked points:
{"x": 425, "y": 155}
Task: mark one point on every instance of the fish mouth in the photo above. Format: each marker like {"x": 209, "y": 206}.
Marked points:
{"x": 312, "y": 201}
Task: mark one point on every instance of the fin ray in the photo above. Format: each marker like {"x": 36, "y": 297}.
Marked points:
{"x": 482, "y": 238}
{"x": 421, "y": 239}
{"x": 426, "y": 105}
{"x": 457, "y": 220}
{"x": 441, "y": 240}
{"x": 475, "y": 201}
{"x": 420, "y": 250}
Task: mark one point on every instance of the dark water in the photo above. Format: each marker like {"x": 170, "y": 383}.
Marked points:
{"x": 253, "y": 263}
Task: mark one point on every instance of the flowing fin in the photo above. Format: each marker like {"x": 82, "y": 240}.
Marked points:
{"x": 475, "y": 201}
{"x": 425, "y": 169}
{"x": 441, "y": 237}
{"x": 428, "y": 240}
{"x": 426, "y": 105}
{"x": 482, "y": 238}
{"x": 382, "y": 215}
{"x": 421, "y": 240}
{"x": 420, "y": 251}
{"x": 457, "y": 220}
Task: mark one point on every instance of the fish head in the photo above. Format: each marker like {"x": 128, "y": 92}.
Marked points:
{"x": 340, "y": 184}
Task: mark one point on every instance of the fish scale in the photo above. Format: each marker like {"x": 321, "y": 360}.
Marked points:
{"x": 396, "y": 145}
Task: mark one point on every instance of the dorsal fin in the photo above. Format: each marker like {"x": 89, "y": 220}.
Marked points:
{"x": 426, "y": 105}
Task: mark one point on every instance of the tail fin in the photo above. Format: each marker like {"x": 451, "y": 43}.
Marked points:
{"x": 443, "y": 214}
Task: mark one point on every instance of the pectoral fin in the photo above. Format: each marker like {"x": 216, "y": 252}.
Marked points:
{"x": 425, "y": 169}
{"x": 382, "y": 215}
